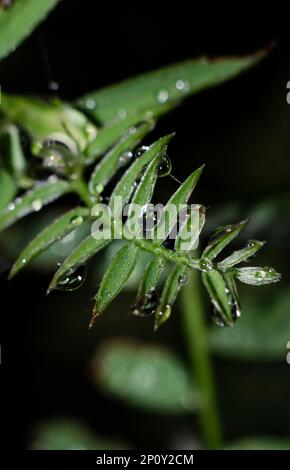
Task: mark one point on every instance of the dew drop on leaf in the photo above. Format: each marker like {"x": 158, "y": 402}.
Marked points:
{"x": 90, "y": 103}
{"x": 165, "y": 166}
{"x": 125, "y": 158}
{"x": 36, "y": 205}
{"x": 182, "y": 85}
{"x": 73, "y": 279}
{"x": 205, "y": 264}
{"x": 76, "y": 220}
{"x": 99, "y": 188}
{"x": 182, "y": 279}
{"x": 139, "y": 152}
{"x": 146, "y": 306}
{"x": 162, "y": 96}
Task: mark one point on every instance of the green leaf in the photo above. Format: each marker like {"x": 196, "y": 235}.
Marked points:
{"x": 188, "y": 235}
{"x": 152, "y": 91}
{"x": 19, "y": 20}
{"x": 257, "y": 276}
{"x": 261, "y": 334}
{"x": 125, "y": 187}
{"x": 148, "y": 377}
{"x": 216, "y": 288}
{"x": 151, "y": 276}
{"x": 79, "y": 256}
{"x": 179, "y": 198}
{"x": 241, "y": 255}
{"x": 11, "y": 149}
{"x": 261, "y": 443}
{"x": 110, "y": 164}
{"x": 108, "y": 136}
{"x": 68, "y": 434}
{"x": 54, "y": 232}
{"x": 221, "y": 238}
{"x": 49, "y": 121}
{"x": 8, "y": 188}
{"x": 32, "y": 201}
{"x": 173, "y": 284}
{"x": 115, "y": 278}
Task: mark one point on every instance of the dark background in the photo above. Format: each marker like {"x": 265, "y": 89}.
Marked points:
{"x": 240, "y": 130}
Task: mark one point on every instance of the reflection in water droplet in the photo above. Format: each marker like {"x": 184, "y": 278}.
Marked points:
{"x": 77, "y": 220}
{"x": 162, "y": 96}
{"x": 140, "y": 151}
{"x": 36, "y": 205}
{"x": 145, "y": 306}
{"x": 162, "y": 316}
{"x": 73, "y": 279}
{"x": 216, "y": 318}
{"x": 11, "y": 207}
{"x": 125, "y": 158}
{"x": 165, "y": 166}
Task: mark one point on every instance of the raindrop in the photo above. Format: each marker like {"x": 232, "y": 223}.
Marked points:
{"x": 11, "y": 207}
{"x": 251, "y": 243}
{"x": 36, "y": 205}
{"x": 125, "y": 158}
{"x": 140, "y": 151}
{"x": 165, "y": 166}
{"x": 73, "y": 279}
{"x": 99, "y": 188}
{"x": 182, "y": 279}
{"x": 76, "y": 220}
{"x": 182, "y": 85}
{"x": 216, "y": 318}
{"x": 162, "y": 96}
{"x": 146, "y": 306}
{"x": 90, "y": 103}
{"x": 205, "y": 264}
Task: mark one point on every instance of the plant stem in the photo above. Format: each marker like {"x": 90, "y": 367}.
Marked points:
{"x": 81, "y": 188}
{"x": 197, "y": 342}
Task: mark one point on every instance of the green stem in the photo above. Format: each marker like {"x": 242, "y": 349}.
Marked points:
{"x": 197, "y": 341}
{"x": 82, "y": 190}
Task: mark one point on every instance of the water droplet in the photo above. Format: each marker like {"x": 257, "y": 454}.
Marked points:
{"x": 53, "y": 86}
{"x": 182, "y": 85}
{"x": 99, "y": 188}
{"x": 90, "y": 103}
{"x": 251, "y": 243}
{"x": 182, "y": 279}
{"x": 162, "y": 96}
{"x": 77, "y": 220}
{"x": 11, "y": 207}
{"x": 216, "y": 318}
{"x": 205, "y": 264}
{"x": 73, "y": 279}
{"x": 23, "y": 261}
{"x": 122, "y": 113}
{"x": 146, "y": 306}
{"x": 36, "y": 205}
{"x": 140, "y": 151}
{"x": 162, "y": 316}
{"x": 165, "y": 166}
{"x": 125, "y": 158}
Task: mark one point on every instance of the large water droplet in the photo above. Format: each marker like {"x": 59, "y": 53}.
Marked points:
{"x": 36, "y": 205}
{"x": 165, "y": 166}
{"x": 125, "y": 158}
{"x": 73, "y": 279}
{"x": 162, "y": 96}
{"x": 146, "y": 306}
